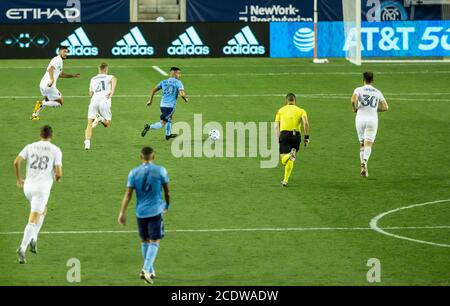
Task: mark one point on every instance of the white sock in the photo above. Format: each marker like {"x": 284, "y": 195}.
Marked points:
{"x": 27, "y": 235}
{"x": 367, "y": 152}
{"x": 51, "y": 103}
{"x": 38, "y": 227}
{"x": 361, "y": 155}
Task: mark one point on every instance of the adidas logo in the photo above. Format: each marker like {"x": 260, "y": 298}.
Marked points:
{"x": 78, "y": 44}
{"x": 244, "y": 43}
{"x": 132, "y": 43}
{"x": 188, "y": 43}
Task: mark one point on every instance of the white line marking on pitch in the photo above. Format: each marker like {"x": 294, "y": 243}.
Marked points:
{"x": 160, "y": 70}
{"x": 376, "y": 219}
{"x": 223, "y": 230}
{"x": 305, "y": 95}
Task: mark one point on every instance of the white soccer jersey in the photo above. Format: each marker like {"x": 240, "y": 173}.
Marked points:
{"x": 101, "y": 85}
{"x": 368, "y": 99}
{"x": 41, "y": 157}
{"x": 57, "y": 63}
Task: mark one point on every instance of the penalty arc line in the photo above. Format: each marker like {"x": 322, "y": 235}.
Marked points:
{"x": 374, "y": 223}
{"x": 223, "y": 230}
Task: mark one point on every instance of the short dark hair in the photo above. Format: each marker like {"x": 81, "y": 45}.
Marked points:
{"x": 174, "y": 69}
{"x": 103, "y": 66}
{"x": 63, "y": 48}
{"x": 291, "y": 97}
{"x": 147, "y": 152}
{"x": 46, "y": 131}
{"x": 368, "y": 76}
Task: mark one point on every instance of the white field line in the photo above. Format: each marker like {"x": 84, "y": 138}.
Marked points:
{"x": 312, "y": 95}
{"x": 224, "y": 230}
{"x": 318, "y": 73}
{"x": 376, "y": 219}
{"x": 162, "y": 72}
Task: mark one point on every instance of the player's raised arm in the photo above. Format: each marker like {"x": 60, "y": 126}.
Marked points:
{"x": 68, "y": 75}
{"x": 305, "y": 123}
{"x": 354, "y": 102}
{"x": 154, "y": 91}
{"x": 125, "y": 201}
{"x": 19, "y": 179}
{"x": 383, "y": 106}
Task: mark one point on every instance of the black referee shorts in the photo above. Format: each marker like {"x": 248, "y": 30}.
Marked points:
{"x": 289, "y": 140}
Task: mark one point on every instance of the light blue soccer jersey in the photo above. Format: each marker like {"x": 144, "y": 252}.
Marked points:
{"x": 147, "y": 180}
{"x": 170, "y": 89}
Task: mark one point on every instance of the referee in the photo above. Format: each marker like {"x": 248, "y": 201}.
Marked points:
{"x": 288, "y": 121}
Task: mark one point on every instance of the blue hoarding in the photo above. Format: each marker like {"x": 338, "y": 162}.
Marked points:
{"x": 64, "y": 11}
{"x": 302, "y": 10}
{"x": 249, "y": 10}
{"x": 378, "y": 39}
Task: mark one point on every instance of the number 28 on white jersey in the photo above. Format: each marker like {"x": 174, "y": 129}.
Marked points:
{"x": 41, "y": 157}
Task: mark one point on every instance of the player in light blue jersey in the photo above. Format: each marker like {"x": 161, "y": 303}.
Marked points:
{"x": 170, "y": 90}
{"x": 148, "y": 180}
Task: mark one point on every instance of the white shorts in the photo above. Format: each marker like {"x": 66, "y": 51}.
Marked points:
{"x": 52, "y": 93}
{"x": 100, "y": 106}
{"x": 37, "y": 196}
{"x": 366, "y": 128}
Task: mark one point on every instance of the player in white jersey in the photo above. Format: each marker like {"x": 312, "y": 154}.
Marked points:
{"x": 51, "y": 95}
{"x": 44, "y": 164}
{"x": 101, "y": 90}
{"x": 367, "y": 101}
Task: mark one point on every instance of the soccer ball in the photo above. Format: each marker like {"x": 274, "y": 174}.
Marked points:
{"x": 160, "y": 19}
{"x": 214, "y": 135}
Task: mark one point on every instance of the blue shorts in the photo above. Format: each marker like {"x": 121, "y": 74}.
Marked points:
{"x": 167, "y": 113}
{"x": 151, "y": 228}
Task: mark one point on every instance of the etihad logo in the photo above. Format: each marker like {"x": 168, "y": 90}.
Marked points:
{"x": 244, "y": 43}
{"x": 78, "y": 44}
{"x": 132, "y": 43}
{"x": 188, "y": 43}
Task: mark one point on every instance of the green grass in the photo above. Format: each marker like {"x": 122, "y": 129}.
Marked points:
{"x": 409, "y": 164}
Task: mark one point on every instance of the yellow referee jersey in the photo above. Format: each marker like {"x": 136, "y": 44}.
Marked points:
{"x": 290, "y": 117}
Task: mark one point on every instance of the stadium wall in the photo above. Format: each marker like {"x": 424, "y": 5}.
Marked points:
{"x": 276, "y": 39}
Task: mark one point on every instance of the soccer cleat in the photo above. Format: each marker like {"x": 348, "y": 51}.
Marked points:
{"x": 145, "y": 130}
{"x": 35, "y": 117}
{"x": 147, "y": 277}
{"x": 283, "y": 184}
{"x": 37, "y": 106}
{"x": 171, "y": 136}
{"x": 292, "y": 154}
{"x": 21, "y": 255}
{"x": 87, "y": 144}
{"x": 142, "y": 274}
{"x": 364, "y": 171}
{"x": 33, "y": 246}
{"x": 97, "y": 120}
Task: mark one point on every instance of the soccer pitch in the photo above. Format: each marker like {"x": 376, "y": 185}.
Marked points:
{"x": 230, "y": 222}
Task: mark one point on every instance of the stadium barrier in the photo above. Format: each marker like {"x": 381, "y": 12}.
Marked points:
{"x": 278, "y": 39}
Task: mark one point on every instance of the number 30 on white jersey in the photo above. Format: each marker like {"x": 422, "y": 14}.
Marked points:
{"x": 368, "y": 99}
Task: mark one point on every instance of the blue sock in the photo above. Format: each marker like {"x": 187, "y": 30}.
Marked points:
{"x": 144, "y": 249}
{"x": 168, "y": 127}
{"x": 156, "y": 125}
{"x": 151, "y": 256}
